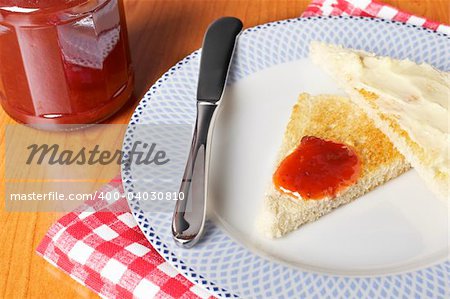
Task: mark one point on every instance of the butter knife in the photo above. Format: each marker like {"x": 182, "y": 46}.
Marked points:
{"x": 190, "y": 211}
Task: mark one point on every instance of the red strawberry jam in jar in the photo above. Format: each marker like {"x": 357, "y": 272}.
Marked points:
{"x": 63, "y": 61}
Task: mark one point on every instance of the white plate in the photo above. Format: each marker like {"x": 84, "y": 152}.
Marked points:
{"x": 392, "y": 242}
{"x": 398, "y": 227}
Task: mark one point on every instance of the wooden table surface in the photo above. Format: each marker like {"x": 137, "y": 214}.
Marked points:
{"x": 161, "y": 32}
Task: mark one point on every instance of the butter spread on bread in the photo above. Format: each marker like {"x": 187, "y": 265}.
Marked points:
{"x": 409, "y": 102}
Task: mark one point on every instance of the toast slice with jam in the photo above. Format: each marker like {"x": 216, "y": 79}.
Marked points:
{"x": 331, "y": 154}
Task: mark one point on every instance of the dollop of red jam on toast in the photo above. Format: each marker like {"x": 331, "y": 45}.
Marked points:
{"x": 317, "y": 169}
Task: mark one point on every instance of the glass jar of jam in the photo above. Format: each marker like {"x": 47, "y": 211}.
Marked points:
{"x": 63, "y": 61}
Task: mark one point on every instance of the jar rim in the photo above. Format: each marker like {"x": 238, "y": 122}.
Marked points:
{"x": 49, "y": 12}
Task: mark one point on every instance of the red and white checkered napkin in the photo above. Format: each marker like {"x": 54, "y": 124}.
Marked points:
{"x": 101, "y": 246}
{"x": 368, "y": 8}
{"x": 106, "y": 251}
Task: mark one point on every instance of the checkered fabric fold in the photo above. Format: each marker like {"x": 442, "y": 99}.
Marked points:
{"x": 368, "y": 8}
{"x": 100, "y": 245}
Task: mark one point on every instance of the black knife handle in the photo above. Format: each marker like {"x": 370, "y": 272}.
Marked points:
{"x": 218, "y": 46}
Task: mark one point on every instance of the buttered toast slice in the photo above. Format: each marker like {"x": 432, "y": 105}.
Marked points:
{"x": 409, "y": 102}
{"x": 324, "y": 122}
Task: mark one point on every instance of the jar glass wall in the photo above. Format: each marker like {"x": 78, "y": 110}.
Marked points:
{"x": 63, "y": 61}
